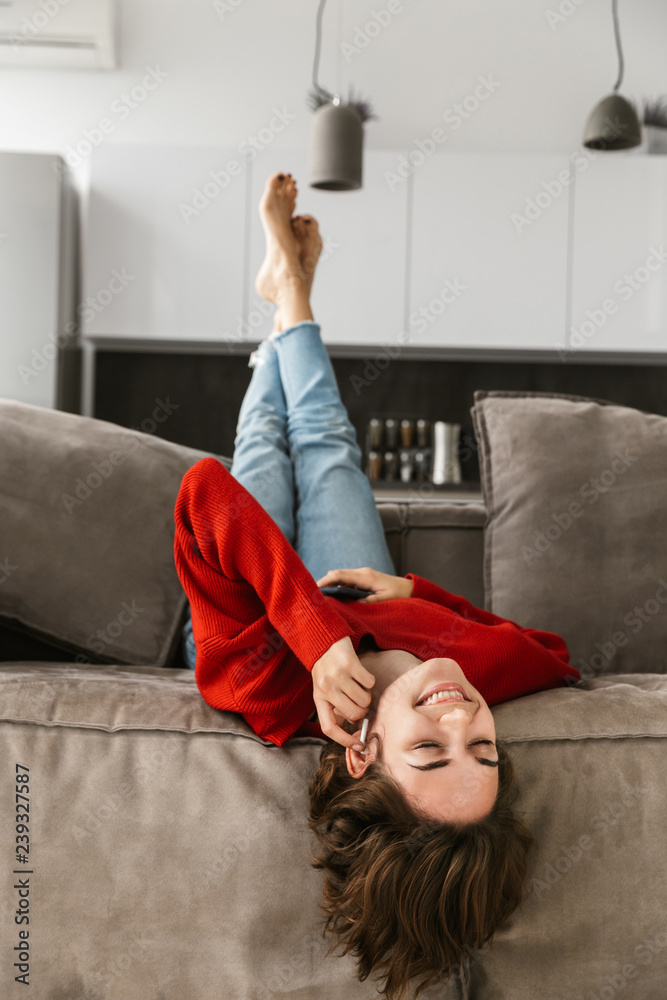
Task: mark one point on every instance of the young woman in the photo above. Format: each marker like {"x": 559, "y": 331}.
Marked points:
{"x": 423, "y": 857}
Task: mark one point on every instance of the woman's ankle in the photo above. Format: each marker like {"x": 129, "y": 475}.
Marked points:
{"x": 294, "y": 307}
{"x": 277, "y": 323}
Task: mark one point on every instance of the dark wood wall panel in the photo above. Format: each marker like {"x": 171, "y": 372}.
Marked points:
{"x": 201, "y": 393}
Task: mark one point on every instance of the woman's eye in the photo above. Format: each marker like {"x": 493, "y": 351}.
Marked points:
{"x": 476, "y": 743}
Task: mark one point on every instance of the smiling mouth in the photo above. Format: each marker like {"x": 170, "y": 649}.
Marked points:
{"x": 443, "y": 692}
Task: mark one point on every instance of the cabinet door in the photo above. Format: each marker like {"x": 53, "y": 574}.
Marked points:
{"x": 359, "y": 289}
{"x": 30, "y": 192}
{"x": 489, "y": 251}
{"x": 164, "y": 244}
{"x": 619, "y": 293}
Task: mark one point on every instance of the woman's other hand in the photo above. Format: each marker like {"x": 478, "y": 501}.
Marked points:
{"x": 340, "y": 690}
{"x": 384, "y": 586}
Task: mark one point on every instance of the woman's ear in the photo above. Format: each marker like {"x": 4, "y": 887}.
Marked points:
{"x": 359, "y": 761}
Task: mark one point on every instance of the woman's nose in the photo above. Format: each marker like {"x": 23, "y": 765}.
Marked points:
{"x": 455, "y": 714}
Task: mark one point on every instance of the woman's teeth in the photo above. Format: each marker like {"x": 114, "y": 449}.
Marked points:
{"x": 443, "y": 696}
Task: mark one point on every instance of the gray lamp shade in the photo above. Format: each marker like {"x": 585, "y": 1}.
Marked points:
{"x": 613, "y": 124}
{"x": 336, "y": 148}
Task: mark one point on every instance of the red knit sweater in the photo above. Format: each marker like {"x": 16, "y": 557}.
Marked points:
{"x": 260, "y": 622}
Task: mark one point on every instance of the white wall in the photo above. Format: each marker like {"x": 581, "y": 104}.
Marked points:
{"x": 227, "y": 68}
{"x": 220, "y": 72}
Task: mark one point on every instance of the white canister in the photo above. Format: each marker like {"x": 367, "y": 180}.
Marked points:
{"x": 446, "y": 462}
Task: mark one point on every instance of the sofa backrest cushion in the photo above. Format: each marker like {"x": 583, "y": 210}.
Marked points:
{"x": 576, "y": 539}
{"x": 86, "y": 535}
{"x": 439, "y": 540}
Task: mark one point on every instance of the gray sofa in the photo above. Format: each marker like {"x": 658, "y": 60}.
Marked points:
{"x": 168, "y": 845}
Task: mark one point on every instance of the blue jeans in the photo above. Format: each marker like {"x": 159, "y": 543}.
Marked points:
{"x": 296, "y": 452}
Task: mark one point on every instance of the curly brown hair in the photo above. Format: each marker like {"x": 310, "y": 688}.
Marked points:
{"x": 408, "y": 897}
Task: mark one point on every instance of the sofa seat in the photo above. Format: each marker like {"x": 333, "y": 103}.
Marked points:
{"x": 175, "y": 840}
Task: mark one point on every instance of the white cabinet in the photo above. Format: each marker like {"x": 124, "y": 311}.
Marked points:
{"x": 619, "y": 256}
{"x": 359, "y": 290}
{"x": 165, "y": 243}
{"x": 487, "y": 269}
{"x": 37, "y": 332}
{"x": 465, "y": 251}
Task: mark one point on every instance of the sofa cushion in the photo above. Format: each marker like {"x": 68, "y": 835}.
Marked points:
{"x": 86, "y": 534}
{"x": 118, "y": 697}
{"x": 179, "y": 840}
{"x": 576, "y": 537}
{"x": 439, "y": 540}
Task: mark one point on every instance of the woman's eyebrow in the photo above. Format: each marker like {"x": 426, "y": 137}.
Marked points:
{"x": 444, "y": 763}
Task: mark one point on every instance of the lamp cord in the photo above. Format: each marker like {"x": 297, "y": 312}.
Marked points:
{"x": 318, "y": 46}
{"x": 614, "y": 10}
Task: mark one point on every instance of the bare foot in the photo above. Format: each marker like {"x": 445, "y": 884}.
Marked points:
{"x": 282, "y": 259}
{"x": 309, "y": 243}
{"x": 309, "y": 247}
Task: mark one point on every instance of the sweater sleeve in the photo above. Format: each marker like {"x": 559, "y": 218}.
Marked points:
{"x": 236, "y": 565}
{"x": 428, "y": 591}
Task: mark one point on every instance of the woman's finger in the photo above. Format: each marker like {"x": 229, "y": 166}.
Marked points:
{"x": 373, "y": 598}
{"x": 358, "y": 577}
{"x": 328, "y": 578}
{"x": 362, "y": 675}
{"x": 348, "y": 707}
{"x": 357, "y": 694}
{"x": 327, "y": 721}
{"x": 333, "y": 576}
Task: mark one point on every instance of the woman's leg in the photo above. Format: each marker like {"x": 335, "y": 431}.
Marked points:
{"x": 261, "y": 452}
{"x": 337, "y": 523}
{"x": 261, "y": 455}
{"x": 294, "y": 439}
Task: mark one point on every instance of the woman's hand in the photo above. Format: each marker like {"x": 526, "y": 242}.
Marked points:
{"x": 384, "y": 586}
{"x": 340, "y": 683}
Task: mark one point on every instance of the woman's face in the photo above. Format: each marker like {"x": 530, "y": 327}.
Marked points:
{"x": 437, "y": 736}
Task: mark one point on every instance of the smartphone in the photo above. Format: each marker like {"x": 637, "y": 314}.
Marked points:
{"x": 343, "y": 592}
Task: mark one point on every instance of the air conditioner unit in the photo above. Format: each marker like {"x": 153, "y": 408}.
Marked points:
{"x": 66, "y": 34}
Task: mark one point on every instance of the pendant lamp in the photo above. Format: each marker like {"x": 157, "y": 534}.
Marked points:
{"x": 613, "y": 122}
{"x": 337, "y": 133}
